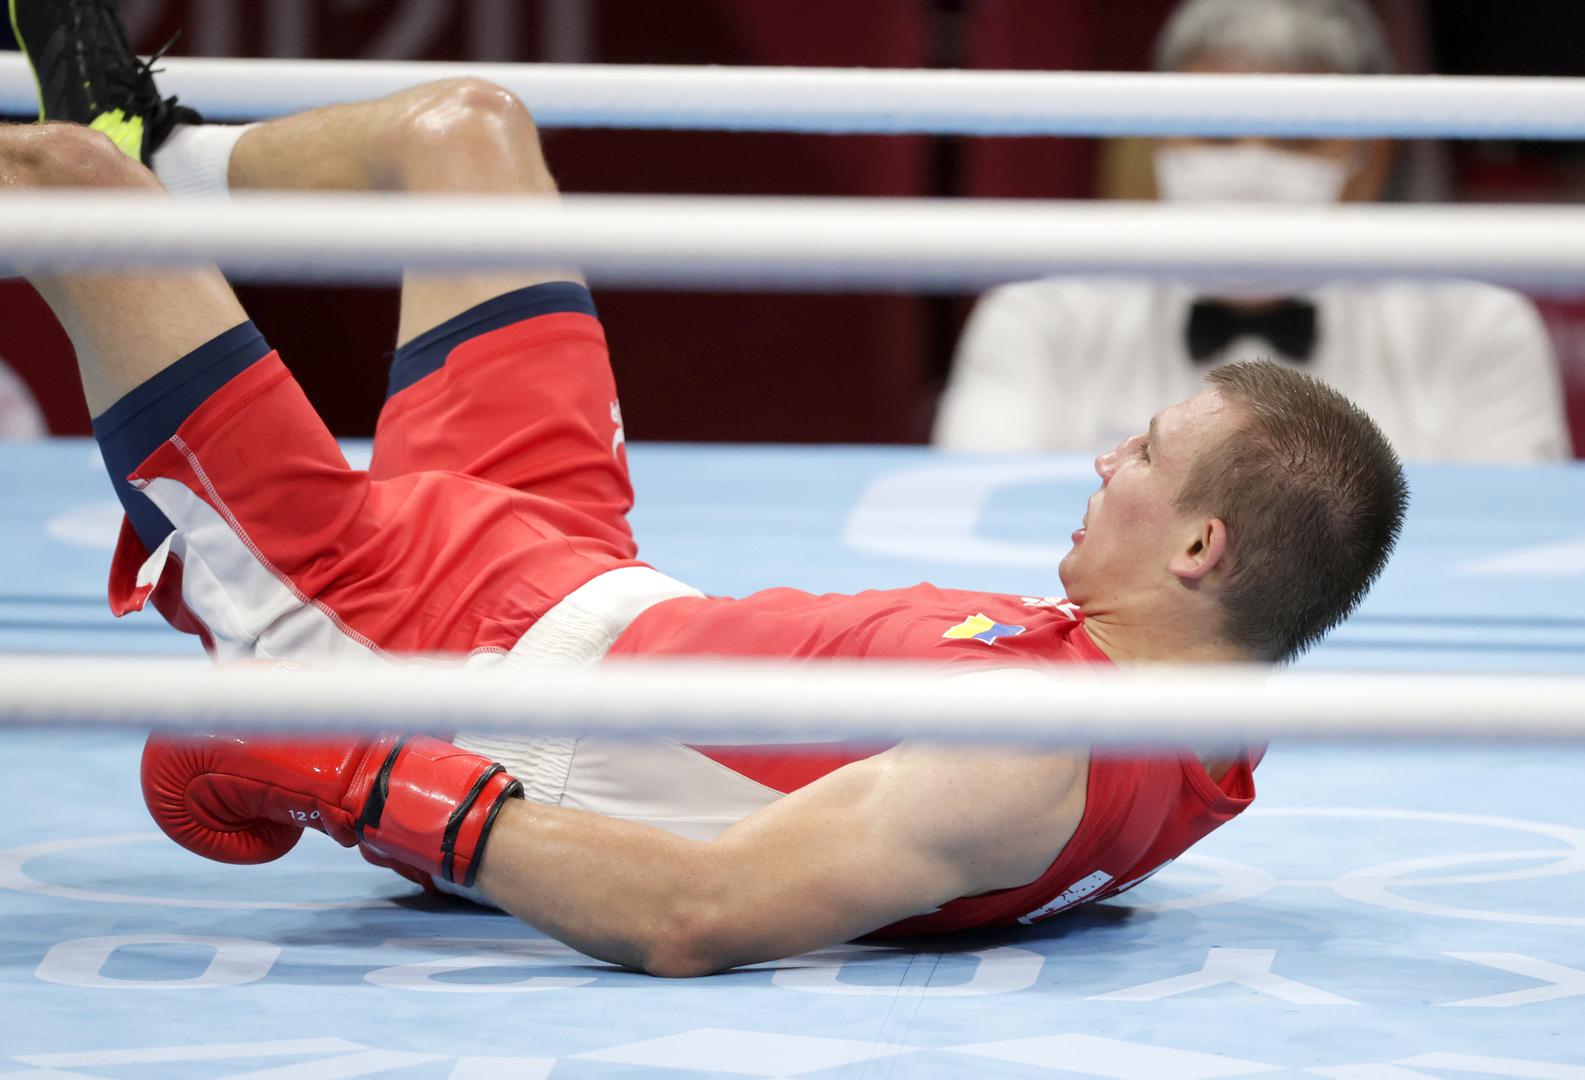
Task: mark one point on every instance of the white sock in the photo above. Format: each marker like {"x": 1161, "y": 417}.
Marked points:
{"x": 195, "y": 158}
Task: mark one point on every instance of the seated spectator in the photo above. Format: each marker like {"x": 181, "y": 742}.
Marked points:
{"x": 1451, "y": 370}
{"x": 20, "y": 417}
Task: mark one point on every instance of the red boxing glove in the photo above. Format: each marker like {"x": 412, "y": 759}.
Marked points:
{"x": 417, "y": 877}
{"x": 416, "y": 801}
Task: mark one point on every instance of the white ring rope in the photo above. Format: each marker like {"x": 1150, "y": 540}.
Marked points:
{"x": 898, "y": 101}
{"x": 808, "y": 242}
{"x": 712, "y": 700}
{"x": 736, "y": 243}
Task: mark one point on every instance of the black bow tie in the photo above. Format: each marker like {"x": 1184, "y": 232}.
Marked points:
{"x": 1288, "y": 324}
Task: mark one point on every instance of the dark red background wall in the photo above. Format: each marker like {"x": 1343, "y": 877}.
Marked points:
{"x": 794, "y": 367}
{"x": 740, "y": 367}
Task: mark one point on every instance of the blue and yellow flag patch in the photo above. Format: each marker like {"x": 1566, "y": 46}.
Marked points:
{"x": 983, "y": 629}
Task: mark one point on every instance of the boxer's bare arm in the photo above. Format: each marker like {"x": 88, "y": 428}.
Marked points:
{"x": 869, "y": 844}
{"x": 459, "y": 136}
{"x": 124, "y": 327}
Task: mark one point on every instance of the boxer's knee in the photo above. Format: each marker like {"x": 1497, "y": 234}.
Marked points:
{"x": 68, "y": 155}
{"x": 472, "y": 123}
{"x": 465, "y": 103}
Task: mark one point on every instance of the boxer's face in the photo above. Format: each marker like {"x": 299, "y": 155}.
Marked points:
{"x": 1133, "y": 529}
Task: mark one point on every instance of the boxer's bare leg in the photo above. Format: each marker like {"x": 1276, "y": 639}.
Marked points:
{"x": 126, "y": 327}
{"x": 456, "y": 136}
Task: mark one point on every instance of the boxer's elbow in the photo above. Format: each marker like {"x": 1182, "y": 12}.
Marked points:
{"x": 696, "y": 924}
{"x": 692, "y": 938}
{"x": 682, "y": 963}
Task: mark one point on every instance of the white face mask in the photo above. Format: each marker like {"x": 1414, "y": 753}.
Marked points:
{"x": 1249, "y": 172}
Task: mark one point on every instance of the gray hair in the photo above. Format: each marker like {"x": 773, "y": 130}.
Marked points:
{"x": 1341, "y": 37}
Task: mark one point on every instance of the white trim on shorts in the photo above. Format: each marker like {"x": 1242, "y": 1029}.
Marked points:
{"x": 657, "y": 782}
{"x": 576, "y": 633}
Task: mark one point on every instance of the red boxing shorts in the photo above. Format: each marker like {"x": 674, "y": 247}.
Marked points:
{"x": 497, "y": 489}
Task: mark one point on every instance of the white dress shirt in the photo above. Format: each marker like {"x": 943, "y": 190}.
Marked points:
{"x": 1451, "y": 371}
{"x": 20, "y": 417}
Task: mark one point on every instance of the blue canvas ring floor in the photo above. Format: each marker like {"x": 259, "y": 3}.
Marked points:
{"x": 1380, "y": 914}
